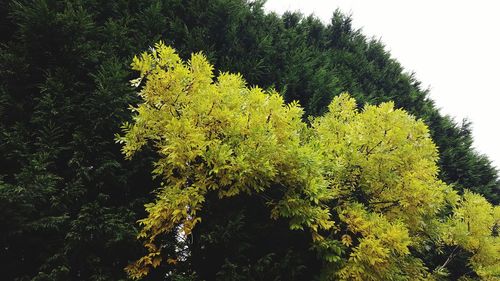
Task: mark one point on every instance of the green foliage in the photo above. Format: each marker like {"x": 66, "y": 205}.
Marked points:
{"x": 373, "y": 170}
{"x": 66, "y": 194}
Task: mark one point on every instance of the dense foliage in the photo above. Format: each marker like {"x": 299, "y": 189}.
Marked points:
{"x": 364, "y": 184}
{"x": 68, "y": 199}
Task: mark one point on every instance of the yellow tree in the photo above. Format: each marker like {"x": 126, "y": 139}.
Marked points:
{"x": 382, "y": 166}
{"x": 363, "y": 183}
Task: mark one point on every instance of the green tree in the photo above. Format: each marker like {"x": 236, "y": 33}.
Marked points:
{"x": 69, "y": 202}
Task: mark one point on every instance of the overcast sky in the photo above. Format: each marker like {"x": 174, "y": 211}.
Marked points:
{"x": 452, "y": 46}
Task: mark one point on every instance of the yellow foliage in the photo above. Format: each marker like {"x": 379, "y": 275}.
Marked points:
{"x": 470, "y": 228}
{"x": 223, "y": 136}
{"x": 375, "y": 169}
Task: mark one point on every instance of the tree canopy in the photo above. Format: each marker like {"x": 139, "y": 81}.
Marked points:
{"x": 363, "y": 183}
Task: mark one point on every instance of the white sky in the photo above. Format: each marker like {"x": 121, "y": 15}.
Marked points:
{"x": 453, "y": 46}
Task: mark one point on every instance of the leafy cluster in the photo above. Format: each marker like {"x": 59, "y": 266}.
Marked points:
{"x": 220, "y": 137}
{"x": 364, "y": 184}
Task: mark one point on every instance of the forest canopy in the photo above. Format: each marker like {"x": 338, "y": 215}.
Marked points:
{"x": 363, "y": 183}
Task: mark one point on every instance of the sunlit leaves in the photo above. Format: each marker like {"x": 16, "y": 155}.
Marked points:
{"x": 470, "y": 228}
{"x": 374, "y": 169}
{"x": 221, "y": 136}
